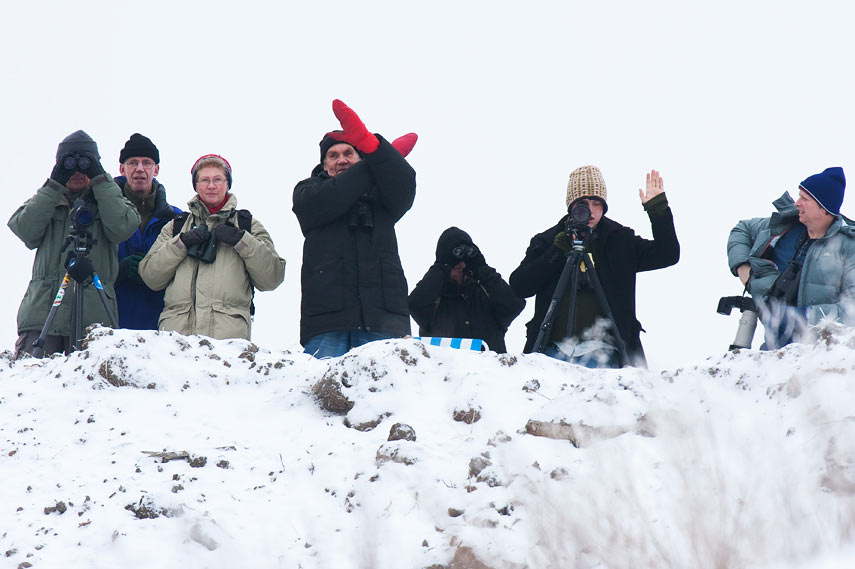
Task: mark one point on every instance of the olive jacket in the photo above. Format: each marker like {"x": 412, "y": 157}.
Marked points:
{"x": 44, "y": 223}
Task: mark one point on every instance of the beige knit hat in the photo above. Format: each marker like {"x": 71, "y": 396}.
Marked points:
{"x": 586, "y": 182}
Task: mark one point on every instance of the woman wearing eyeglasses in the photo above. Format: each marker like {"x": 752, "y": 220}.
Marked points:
{"x": 211, "y": 260}
{"x": 460, "y": 296}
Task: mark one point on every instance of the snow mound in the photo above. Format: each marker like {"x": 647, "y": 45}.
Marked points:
{"x": 154, "y": 449}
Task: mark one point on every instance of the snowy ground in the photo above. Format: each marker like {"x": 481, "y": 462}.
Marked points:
{"x": 157, "y": 450}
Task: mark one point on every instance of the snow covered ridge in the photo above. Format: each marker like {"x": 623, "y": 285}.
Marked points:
{"x": 151, "y": 449}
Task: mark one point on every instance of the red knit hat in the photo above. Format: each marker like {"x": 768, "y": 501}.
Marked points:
{"x": 212, "y": 160}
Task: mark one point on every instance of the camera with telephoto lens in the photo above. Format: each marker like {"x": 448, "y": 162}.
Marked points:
{"x": 580, "y": 215}
{"x": 81, "y": 216}
{"x": 361, "y": 214}
{"x": 747, "y": 322}
{"x": 76, "y": 162}
{"x": 206, "y": 250}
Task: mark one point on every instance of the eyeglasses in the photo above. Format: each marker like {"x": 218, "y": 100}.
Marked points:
{"x": 147, "y": 164}
{"x": 464, "y": 251}
{"x": 218, "y": 181}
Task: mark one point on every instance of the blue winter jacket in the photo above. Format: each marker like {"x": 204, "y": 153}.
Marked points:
{"x": 139, "y": 306}
{"x": 827, "y": 282}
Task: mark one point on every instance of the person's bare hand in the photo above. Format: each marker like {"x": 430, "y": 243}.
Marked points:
{"x": 655, "y": 186}
{"x": 744, "y": 272}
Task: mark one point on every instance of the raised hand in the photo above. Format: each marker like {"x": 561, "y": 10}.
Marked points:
{"x": 404, "y": 144}
{"x": 353, "y": 129}
{"x": 655, "y": 186}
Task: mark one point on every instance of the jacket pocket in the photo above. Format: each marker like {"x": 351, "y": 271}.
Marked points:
{"x": 230, "y": 322}
{"x": 394, "y": 286}
{"x": 176, "y": 319}
{"x": 323, "y": 288}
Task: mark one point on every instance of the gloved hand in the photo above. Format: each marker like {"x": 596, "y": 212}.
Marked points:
{"x": 129, "y": 269}
{"x": 59, "y": 173}
{"x": 79, "y": 268}
{"x": 228, "y": 234}
{"x": 94, "y": 168}
{"x": 562, "y": 241}
{"x": 194, "y": 236}
{"x": 355, "y": 133}
{"x": 476, "y": 261}
{"x": 404, "y": 144}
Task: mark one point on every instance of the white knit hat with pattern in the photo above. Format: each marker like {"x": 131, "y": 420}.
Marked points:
{"x": 586, "y": 182}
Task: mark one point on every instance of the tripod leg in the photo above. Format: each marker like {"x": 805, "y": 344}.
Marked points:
{"x": 77, "y": 317}
{"x": 549, "y": 317}
{"x": 604, "y": 306}
{"x": 39, "y": 343}
{"x": 103, "y": 296}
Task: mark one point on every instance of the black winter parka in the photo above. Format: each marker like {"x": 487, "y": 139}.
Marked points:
{"x": 618, "y": 255}
{"x": 483, "y": 306}
{"x": 352, "y": 277}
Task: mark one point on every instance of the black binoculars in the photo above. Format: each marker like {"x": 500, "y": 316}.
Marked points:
{"x": 361, "y": 214}
{"x": 76, "y": 162}
{"x": 206, "y": 251}
{"x": 464, "y": 252}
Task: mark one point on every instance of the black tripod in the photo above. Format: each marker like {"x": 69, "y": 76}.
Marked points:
{"x": 79, "y": 269}
{"x": 578, "y": 258}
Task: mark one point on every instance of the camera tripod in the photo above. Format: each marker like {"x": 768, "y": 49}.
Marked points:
{"x": 78, "y": 268}
{"x": 578, "y": 258}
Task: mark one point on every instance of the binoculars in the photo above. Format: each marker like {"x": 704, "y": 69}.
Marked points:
{"x": 206, "y": 251}
{"x": 464, "y": 252}
{"x": 361, "y": 214}
{"x": 76, "y": 162}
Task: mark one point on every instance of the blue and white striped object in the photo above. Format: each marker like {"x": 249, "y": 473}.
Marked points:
{"x": 473, "y": 344}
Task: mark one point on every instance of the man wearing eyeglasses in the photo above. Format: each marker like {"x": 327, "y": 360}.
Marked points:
{"x": 461, "y": 296}
{"x": 353, "y": 285}
{"x": 139, "y": 163}
{"x": 45, "y": 223}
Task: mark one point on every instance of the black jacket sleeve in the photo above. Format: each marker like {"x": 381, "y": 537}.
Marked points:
{"x": 394, "y": 178}
{"x": 425, "y": 296}
{"x": 543, "y": 263}
{"x": 664, "y": 249}
{"x": 506, "y": 305}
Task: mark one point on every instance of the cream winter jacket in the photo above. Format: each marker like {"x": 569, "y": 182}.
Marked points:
{"x": 211, "y": 299}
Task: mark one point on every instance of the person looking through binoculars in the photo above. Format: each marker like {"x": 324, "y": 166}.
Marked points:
{"x": 461, "y": 296}
{"x": 593, "y": 324}
{"x": 211, "y": 259}
{"x": 75, "y": 222}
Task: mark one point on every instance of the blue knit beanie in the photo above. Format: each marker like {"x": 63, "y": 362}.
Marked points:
{"x": 827, "y": 188}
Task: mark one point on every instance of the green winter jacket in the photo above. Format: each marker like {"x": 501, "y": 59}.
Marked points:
{"x": 211, "y": 299}
{"x": 43, "y": 223}
{"x": 827, "y": 283}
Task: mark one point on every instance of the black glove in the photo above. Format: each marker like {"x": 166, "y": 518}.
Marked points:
{"x": 129, "y": 269}
{"x": 228, "y": 234}
{"x": 194, "y": 236}
{"x": 79, "y": 268}
{"x": 94, "y": 168}
{"x": 476, "y": 261}
{"x": 59, "y": 173}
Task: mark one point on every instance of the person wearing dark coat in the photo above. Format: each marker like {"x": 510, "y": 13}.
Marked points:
{"x": 139, "y": 163}
{"x": 461, "y": 296}
{"x": 617, "y": 255}
{"x": 353, "y": 285}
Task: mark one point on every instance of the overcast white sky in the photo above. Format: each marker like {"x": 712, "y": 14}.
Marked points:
{"x": 734, "y": 102}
